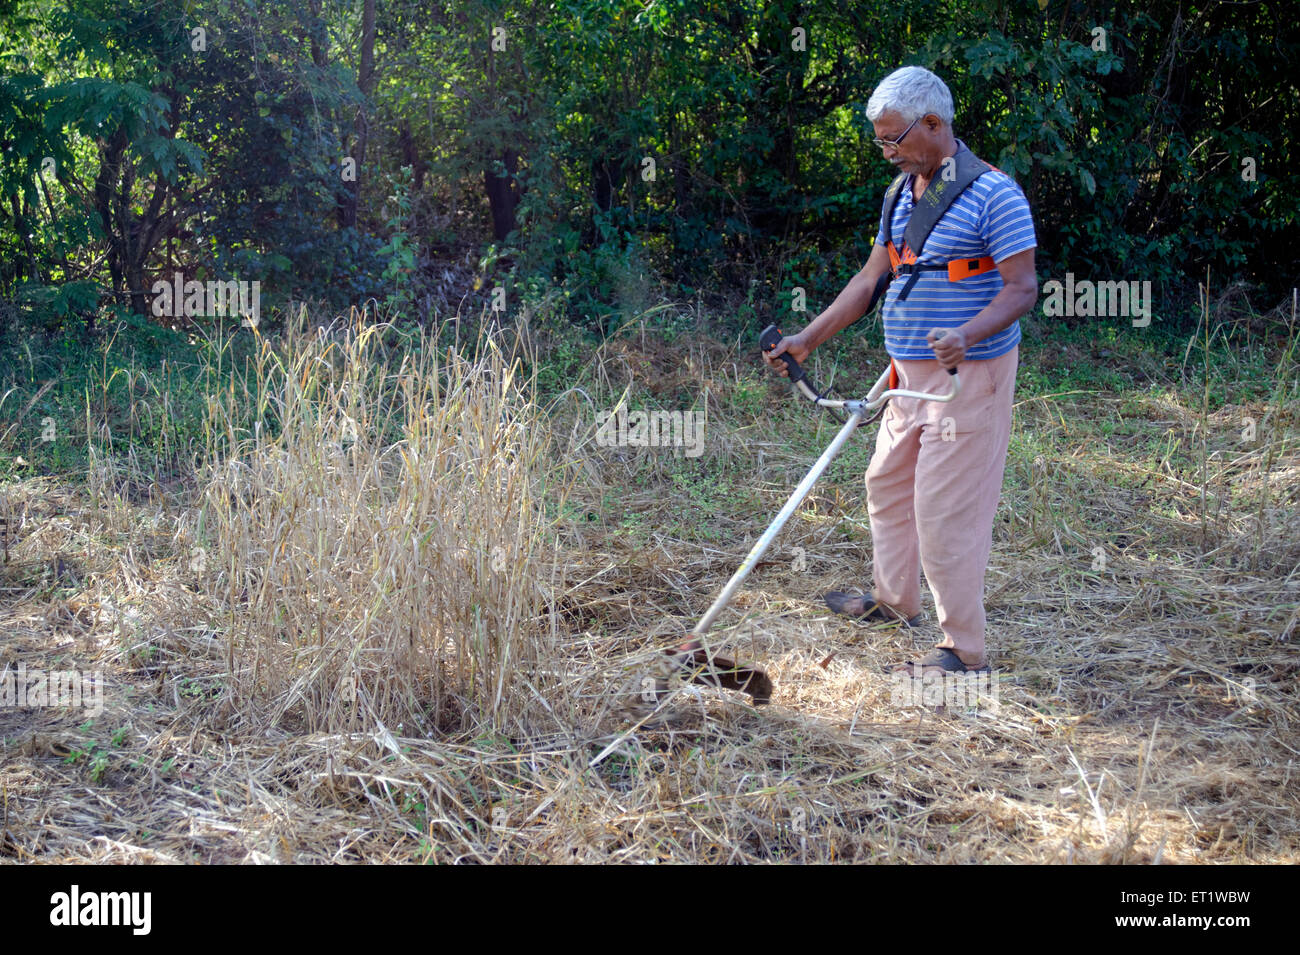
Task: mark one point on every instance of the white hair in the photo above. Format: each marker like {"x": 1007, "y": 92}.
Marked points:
{"x": 912, "y": 92}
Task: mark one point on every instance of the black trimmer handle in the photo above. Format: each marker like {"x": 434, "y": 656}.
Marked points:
{"x": 767, "y": 341}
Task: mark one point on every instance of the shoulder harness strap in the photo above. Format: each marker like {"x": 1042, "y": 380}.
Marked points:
{"x": 937, "y": 199}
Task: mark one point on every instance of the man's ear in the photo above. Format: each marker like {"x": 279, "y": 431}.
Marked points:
{"x": 932, "y": 122}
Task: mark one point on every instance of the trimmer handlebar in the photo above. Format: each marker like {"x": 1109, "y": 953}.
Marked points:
{"x": 880, "y": 391}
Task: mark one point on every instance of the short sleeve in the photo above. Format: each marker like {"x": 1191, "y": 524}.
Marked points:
{"x": 1006, "y": 224}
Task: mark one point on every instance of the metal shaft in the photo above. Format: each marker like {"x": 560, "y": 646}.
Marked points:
{"x": 763, "y": 543}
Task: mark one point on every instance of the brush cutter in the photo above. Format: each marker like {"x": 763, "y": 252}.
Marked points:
{"x": 693, "y": 657}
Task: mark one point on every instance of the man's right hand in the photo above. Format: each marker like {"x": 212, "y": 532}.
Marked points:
{"x": 795, "y": 345}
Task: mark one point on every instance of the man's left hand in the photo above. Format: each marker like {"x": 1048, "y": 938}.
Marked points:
{"x": 949, "y": 346}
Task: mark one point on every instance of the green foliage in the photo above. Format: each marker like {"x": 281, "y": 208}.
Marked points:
{"x": 54, "y": 305}
{"x": 400, "y": 250}
{"x": 94, "y": 756}
{"x": 1128, "y": 132}
{"x": 620, "y": 151}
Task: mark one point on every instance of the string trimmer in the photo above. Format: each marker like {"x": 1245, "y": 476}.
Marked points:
{"x": 693, "y": 656}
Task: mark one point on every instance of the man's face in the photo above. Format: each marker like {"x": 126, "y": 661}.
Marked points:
{"x": 912, "y": 155}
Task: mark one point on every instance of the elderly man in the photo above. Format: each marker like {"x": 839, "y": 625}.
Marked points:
{"x": 963, "y": 274}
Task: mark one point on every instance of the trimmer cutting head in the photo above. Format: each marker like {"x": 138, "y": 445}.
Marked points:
{"x": 722, "y": 672}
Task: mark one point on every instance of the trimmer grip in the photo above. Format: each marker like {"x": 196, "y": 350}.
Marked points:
{"x": 770, "y": 338}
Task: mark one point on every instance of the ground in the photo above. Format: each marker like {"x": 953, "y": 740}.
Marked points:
{"x": 1142, "y": 599}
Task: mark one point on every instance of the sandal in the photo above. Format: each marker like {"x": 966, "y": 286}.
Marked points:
{"x": 875, "y": 611}
{"x": 942, "y": 659}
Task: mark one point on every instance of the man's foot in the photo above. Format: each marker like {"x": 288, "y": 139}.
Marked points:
{"x": 940, "y": 660}
{"x": 866, "y": 607}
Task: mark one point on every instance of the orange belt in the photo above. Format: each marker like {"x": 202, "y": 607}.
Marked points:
{"x": 959, "y": 269}
{"x": 904, "y": 263}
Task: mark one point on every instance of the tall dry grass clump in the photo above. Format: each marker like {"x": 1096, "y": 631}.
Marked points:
{"x": 376, "y": 534}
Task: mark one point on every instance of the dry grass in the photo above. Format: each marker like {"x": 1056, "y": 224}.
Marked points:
{"x": 338, "y": 673}
{"x": 375, "y": 550}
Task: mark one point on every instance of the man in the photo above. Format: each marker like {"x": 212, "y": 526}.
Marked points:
{"x": 936, "y": 475}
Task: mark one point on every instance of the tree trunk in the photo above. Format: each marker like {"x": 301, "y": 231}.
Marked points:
{"x": 319, "y": 57}
{"x": 361, "y": 124}
{"x": 503, "y": 195}
{"x": 603, "y": 174}
{"x": 110, "y": 159}
{"x": 410, "y": 157}
{"x": 502, "y": 191}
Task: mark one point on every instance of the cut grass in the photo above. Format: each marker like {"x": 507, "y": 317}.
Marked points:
{"x": 1146, "y": 697}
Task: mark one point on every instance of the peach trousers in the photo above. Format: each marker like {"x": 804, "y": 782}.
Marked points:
{"x": 932, "y": 492}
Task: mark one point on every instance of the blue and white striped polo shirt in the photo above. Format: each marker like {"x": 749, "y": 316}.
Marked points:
{"x": 991, "y": 217}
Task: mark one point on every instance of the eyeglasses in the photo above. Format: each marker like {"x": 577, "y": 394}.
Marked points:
{"x": 882, "y": 143}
